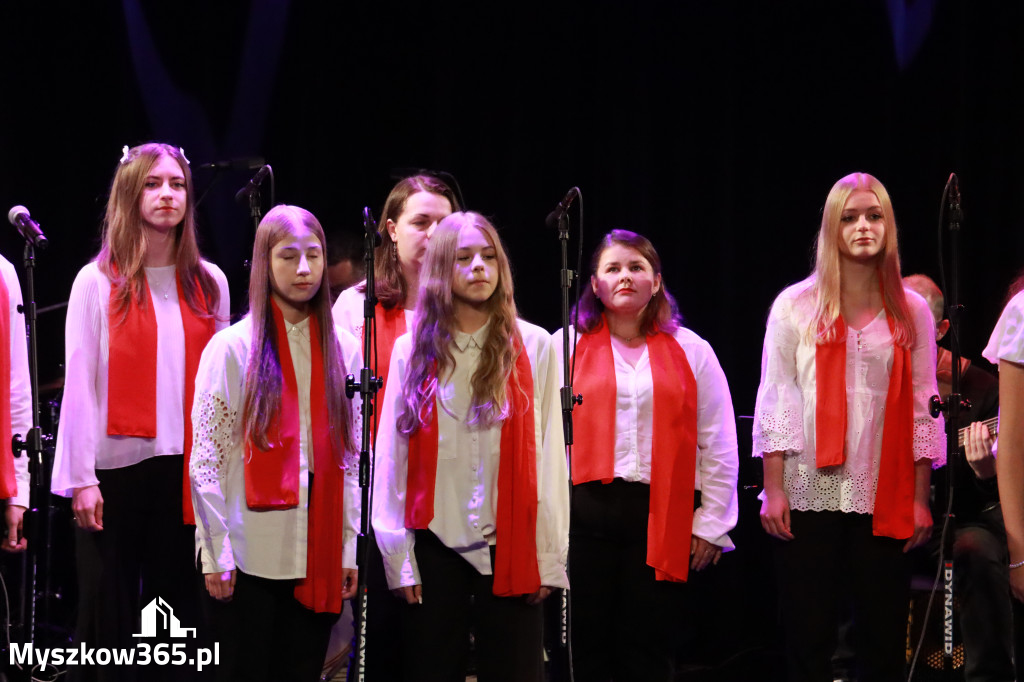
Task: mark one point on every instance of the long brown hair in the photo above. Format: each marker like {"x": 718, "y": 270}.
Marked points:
{"x": 123, "y": 253}
{"x": 826, "y": 276}
{"x": 391, "y": 287}
{"x": 661, "y": 314}
{"x": 435, "y": 327}
{"x": 263, "y": 378}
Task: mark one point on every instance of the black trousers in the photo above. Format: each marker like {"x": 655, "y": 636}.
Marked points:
{"x": 835, "y": 558}
{"x": 625, "y": 624}
{"x": 265, "y": 635}
{"x": 143, "y": 552}
{"x": 457, "y": 601}
{"x": 986, "y": 611}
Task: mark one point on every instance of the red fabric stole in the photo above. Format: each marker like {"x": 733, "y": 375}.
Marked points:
{"x": 131, "y": 373}
{"x": 894, "y": 496}
{"x": 8, "y": 483}
{"x": 390, "y": 324}
{"x": 673, "y": 447}
{"x": 272, "y": 476}
{"x": 515, "y": 562}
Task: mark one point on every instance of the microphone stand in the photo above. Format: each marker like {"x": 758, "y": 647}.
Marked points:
{"x": 952, "y": 406}
{"x": 367, "y": 387}
{"x": 35, "y": 603}
{"x": 568, "y": 402}
{"x": 251, "y": 191}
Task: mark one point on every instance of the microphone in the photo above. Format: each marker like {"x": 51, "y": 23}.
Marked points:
{"x": 253, "y": 184}
{"x": 238, "y": 163}
{"x": 370, "y": 226}
{"x": 563, "y": 206}
{"x": 956, "y": 213}
{"x": 29, "y": 229}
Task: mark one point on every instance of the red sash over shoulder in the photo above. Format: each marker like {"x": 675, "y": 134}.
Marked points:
{"x": 272, "y": 476}
{"x": 8, "y": 483}
{"x": 390, "y": 324}
{"x": 894, "y": 496}
{"x": 516, "y": 570}
{"x": 131, "y": 373}
{"x": 673, "y": 447}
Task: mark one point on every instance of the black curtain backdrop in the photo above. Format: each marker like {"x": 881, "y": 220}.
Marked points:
{"x": 714, "y": 128}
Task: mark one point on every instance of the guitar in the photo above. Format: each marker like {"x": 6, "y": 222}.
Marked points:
{"x": 992, "y": 425}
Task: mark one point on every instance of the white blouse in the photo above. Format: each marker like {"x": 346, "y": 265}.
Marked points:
{"x": 466, "y": 485}
{"x": 348, "y": 312}
{"x": 82, "y": 441}
{"x": 268, "y": 544}
{"x": 717, "y": 458}
{"x": 1007, "y": 340}
{"x": 21, "y": 387}
{"x": 784, "y": 416}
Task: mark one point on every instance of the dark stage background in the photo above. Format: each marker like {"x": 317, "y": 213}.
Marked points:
{"x": 715, "y": 128}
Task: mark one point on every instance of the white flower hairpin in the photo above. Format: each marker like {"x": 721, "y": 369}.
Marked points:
{"x": 125, "y": 155}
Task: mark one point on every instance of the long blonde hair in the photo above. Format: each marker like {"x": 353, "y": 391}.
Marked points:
{"x": 826, "y": 287}
{"x": 123, "y": 253}
{"x": 433, "y": 332}
{"x": 263, "y": 378}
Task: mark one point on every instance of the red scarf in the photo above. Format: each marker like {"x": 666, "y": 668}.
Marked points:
{"x": 673, "y": 447}
{"x": 8, "y": 483}
{"x": 389, "y": 324}
{"x": 515, "y": 560}
{"x": 272, "y": 476}
{"x": 131, "y": 372}
{"x": 894, "y": 496}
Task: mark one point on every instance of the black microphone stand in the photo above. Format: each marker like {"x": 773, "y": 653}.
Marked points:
{"x": 251, "y": 191}
{"x": 35, "y": 602}
{"x": 951, "y": 407}
{"x": 568, "y": 399}
{"x": 367, "y": 387}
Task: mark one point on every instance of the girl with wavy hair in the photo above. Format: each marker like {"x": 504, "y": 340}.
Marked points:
{"x": 138, "y": 319}
{"x": 470, "y": 494}
{"x": 654, "y": 464}
{"x": 274, "y": 475}
{"x": 847, "y": 442}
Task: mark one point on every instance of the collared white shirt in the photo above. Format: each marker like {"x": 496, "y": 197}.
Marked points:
{"x": 716, "y": 459}
{"x": 466, "y": 485}
{"x": 21, "y": 389}
{"x": 348, "y": 312}
{"x": 268, "y": 544}
{"x": 82, "y": 441}
{"x": 784, "y": 418}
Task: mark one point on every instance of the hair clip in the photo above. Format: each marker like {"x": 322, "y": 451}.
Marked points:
{"x": 125, "y": 155}
{"x": 181, "y": 150}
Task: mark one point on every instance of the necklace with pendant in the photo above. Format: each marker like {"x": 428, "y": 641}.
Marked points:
{"x": 165, "y": 286}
